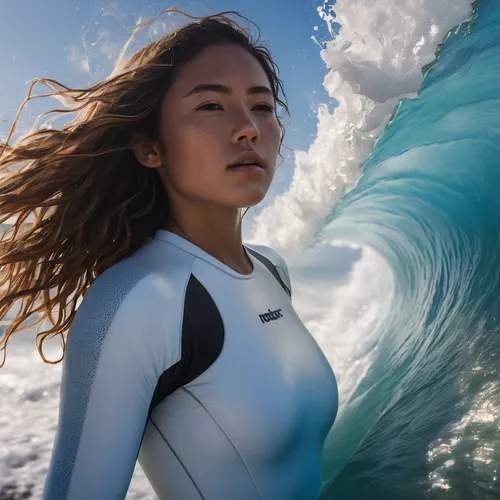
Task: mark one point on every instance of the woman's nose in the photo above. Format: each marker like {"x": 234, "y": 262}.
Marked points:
{"x": 246, "y": 128}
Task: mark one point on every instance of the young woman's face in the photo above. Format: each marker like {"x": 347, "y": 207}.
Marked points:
{"x": 203, "y": 132}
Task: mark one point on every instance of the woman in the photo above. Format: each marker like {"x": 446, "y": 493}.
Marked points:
{"x": 186, "y": 352}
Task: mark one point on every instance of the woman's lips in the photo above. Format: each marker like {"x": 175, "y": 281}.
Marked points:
{"x": 252, "y": 168}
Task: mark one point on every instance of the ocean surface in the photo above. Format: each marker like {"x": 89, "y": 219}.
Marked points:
{"x": 391, "y": 229}
{"x": 427, "y": 410}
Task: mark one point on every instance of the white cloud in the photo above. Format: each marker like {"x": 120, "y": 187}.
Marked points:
{"x": 78, "y": 58}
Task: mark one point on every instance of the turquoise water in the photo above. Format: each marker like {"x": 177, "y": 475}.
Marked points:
{"x": 425, "y": 421}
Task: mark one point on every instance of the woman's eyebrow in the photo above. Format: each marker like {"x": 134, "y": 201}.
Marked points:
{"x": 218, "y": 87}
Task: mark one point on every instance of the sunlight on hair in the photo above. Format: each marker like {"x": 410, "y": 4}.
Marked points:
{"x": 73, "y": 195}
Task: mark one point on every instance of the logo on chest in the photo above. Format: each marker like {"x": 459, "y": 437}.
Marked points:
{"x": 270, "y": 315}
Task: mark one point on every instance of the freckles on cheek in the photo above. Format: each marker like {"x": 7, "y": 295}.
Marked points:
{"x": 198, "y": 142}
{"x": 194, "y": 150}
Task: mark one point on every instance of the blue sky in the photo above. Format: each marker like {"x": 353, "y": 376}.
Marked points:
{"x": 75, "y": 42}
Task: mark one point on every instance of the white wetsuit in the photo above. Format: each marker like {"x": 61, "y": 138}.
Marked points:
{"x": 208, "y": 377}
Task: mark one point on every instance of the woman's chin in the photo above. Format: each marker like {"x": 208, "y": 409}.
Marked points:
{"x": 250, "y": 199}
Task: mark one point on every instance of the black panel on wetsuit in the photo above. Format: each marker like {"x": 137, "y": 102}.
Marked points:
{"x": 272, "y": 269}
{"x": 202, "y": 341}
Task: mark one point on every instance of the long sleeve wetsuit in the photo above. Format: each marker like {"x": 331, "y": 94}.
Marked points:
{"x": 208, "y": 377}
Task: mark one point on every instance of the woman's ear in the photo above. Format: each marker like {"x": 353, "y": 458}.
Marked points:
{"x": 146, "y": 151}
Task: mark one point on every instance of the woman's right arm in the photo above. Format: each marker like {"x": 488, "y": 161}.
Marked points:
{"x": 115, "y": 354}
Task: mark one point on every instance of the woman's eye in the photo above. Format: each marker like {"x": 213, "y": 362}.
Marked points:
{"x": 266, "y": 107}
{"x": 208, "y": 104}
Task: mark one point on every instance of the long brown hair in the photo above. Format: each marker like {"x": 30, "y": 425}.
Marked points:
{"x": 89, "y": 202}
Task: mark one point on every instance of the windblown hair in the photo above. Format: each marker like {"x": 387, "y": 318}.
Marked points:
{"x": 88, "y": 201}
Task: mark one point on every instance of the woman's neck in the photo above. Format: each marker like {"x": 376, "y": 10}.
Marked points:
{"x": 222, "y": 240}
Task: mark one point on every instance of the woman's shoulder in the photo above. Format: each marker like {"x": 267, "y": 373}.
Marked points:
{"x": 269, "y": 253}
{"x": 136, "y": 289}
{"x": 132, "y": 305}
{"x": 276, "y": 260}
{"x": 147, "y": 270}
